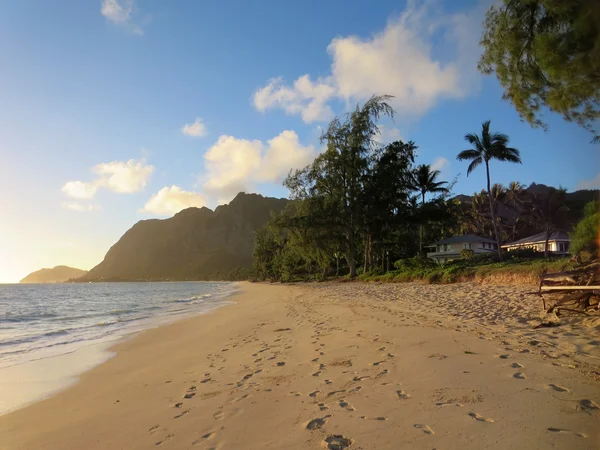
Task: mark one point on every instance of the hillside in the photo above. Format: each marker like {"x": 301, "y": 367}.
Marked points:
{"x": 195, "y": 244}
{"x": 57, "y": 274}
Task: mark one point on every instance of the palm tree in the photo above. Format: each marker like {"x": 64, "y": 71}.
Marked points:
{"x": 425, "y": 182}
{"x": 486, "y": 147}
{"x": 514, "y": 198}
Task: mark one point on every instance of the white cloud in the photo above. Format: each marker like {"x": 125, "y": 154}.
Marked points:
{"x": 399, "y": 61}
{"x": 120, "y": 12}
{"x": 195, "y": 129}
{"x": 234, "y": 165}
{"x": 124, "y": 177}
{"x": 79, "y": 189}
{"x": 590, "y": 184}
{"x": 171, "y": 200}
{"x": 440, "y": 163}
{"x": 387, "y": 134}
{"x": 80, "y": 207}
{"x": 305, "y": 98}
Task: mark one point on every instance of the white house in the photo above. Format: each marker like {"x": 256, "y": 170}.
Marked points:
{"x": 558, "y": 243}
{"x": 449, "y": 249}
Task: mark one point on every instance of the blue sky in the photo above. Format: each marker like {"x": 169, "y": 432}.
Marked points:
{"x": 95, "y": 96}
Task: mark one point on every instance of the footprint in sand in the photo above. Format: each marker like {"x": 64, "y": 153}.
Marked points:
{"x": 219, "y": 415}
{"x": 178, "y": 405}
{"x": 181, "y": 414}
{"x": 424, "y": 428}
{"x": 516, "y": 366}
{"x": 504, "y": 356}
{"x": 169, "y": 436}
{"x": 563, "y": 430}
{"x": 317, "y": 423}
{"x": 313, "y": 393}
{"x": 344, "y": 404}
{"x": 296, "y": 394}
{"x": 328, "y": 381}
{"x": 281, "y": 364}
{"x": 323, "y": 407}
{"x": 402, "y": 395}
{"x": 588, "y": 406}
{"x": 356, "y": 389}
{"x": 519, "y": 375}
{"x": 153, "y": 429}
{"x": 189, "y": 395}
{"x": 557, "y": 388}
{"x": 336, "y": 392}
{"x": 376, "y": 363}
{"x": 337, "y": 442}
{"x": 317, "y": 373}
{"x": 479, "y": 418}
{"x": 204, "y": 438}
{"x": 373, "y": 418}
{"x": 441, "y": 404}
{"x": 360, "y": 378}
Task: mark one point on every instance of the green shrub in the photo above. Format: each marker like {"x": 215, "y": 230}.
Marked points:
{"x": 585, "y": 235}
{"x": 466, "y": 253}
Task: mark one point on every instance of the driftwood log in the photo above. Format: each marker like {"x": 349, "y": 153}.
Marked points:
{"x": 578, "y": 291}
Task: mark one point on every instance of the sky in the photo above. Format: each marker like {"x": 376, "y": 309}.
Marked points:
{"x": 114, "y": 111}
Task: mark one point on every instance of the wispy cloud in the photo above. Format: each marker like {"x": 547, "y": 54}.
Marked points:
{"x": 124, "y": 177}
{"x": 80, "y": 207}
{"x": 594, "y": 183}
{"x": 400, "y": 60}
{"x": 440, "y": 163}
{"x": 195, "y": 129}
{"x": 121, "y": 12}
{"x": 171, "y": 200}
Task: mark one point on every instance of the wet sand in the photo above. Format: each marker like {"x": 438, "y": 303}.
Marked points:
{"x": 340, "y": 365}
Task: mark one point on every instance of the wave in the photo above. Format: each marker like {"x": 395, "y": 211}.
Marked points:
{"x": 193, "y": 300}
{"x": 27, "y": 318}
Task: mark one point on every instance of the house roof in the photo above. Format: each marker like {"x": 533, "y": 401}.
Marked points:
{"x": 468, "y": 238}
{"x": 540, "y": 237}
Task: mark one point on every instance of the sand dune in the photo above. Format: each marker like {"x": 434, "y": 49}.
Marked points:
{"x": 357, "y": 366}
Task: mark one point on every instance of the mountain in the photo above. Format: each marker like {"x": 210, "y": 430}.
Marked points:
{"x": 195, "y": 244}
{"x": 575, "y": 201}
{"x": 57, "y": 274}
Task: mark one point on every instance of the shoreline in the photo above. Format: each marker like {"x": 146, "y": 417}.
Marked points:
{"x": 294, "y": 366}
{"x": 31, "y": 381}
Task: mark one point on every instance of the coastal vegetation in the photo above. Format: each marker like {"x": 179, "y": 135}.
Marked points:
{"x": 361, "y": 210}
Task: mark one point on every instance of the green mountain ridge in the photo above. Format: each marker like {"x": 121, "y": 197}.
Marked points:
{"x": 194, "y": 244}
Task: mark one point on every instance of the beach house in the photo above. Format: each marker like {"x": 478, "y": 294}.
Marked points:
{"x": 449, "y": 249}
{"x": 558, "y": 243}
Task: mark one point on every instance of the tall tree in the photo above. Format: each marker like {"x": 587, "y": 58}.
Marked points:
{"x": 486, "y": 147}
{"x": 546, "y": 53}
{"x": 549, "y": 213}
{"x": 338, "y": 174}
{"x": 425, "y": 182}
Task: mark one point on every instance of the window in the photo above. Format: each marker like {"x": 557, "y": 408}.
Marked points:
{"x": 446, "y": 248}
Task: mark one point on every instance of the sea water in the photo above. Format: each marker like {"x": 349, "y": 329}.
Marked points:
{"x": 50, "y": 333}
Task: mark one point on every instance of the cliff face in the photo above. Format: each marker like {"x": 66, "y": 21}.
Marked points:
{"x": 57, "y": 274}
{"x": 195, "y": 244}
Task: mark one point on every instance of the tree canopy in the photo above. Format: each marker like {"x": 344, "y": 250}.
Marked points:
{"x": 546, "y": 53}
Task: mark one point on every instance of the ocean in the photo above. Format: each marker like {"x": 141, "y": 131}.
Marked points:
{"x": 50, "y": 333}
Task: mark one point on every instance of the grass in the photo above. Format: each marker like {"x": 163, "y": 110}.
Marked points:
{"x": 511, "y": 271}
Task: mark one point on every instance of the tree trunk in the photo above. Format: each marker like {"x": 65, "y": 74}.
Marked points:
{"x": 421, "y": 226}
{"x": 366, "y": 251}
{"x": 492, "y": 213}
{"x": 351, "y": 256}
{"x": 548, "y": 233}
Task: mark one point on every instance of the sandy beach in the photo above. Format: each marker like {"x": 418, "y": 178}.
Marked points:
{"x": 338, "y": 365}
